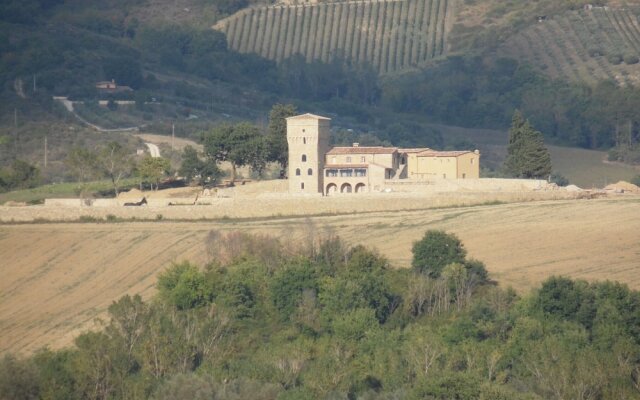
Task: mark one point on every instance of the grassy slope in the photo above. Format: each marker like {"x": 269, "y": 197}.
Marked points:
{"x": 61, "y": 190}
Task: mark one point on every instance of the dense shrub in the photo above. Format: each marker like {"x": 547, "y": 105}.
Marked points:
{"x": 631, "y": 59}
{"x": 614, "y": 59}
{"x": 436, "y": 250}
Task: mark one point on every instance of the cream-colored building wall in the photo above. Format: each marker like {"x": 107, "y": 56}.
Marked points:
{"x": 307, "y": 136}
{"x": 388, "y": 160}
{"x": 464, "y": 166}
{"x": 412, "y": 165}
{"x": 373, "y": 181}
{"x": 469, "y": 166}
{"x": 429, "y": 168}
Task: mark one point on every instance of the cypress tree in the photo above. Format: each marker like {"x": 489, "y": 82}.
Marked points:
{"x": 527, "y": 155}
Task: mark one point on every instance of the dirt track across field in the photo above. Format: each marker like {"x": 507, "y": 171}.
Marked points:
{"x": 58, "y": 277}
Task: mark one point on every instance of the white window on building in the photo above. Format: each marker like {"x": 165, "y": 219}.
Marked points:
{"x": 348, "y": 160}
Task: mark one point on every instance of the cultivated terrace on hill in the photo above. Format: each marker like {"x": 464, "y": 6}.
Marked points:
{"x": 322, "y": 320}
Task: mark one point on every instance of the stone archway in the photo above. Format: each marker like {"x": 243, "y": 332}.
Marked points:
{"x": 361, "y": 188}
{"x": 345, "y": 188}
{"x": 332, "y": 188}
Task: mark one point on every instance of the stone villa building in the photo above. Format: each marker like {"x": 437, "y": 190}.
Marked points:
{"x": 315, "y": 168}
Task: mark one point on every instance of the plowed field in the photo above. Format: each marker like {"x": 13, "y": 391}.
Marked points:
{"x": 57, "y": 278}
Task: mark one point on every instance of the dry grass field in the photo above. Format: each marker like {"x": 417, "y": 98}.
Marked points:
{"x": 57, "y": 278}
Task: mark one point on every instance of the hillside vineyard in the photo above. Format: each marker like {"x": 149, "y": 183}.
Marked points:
{"x": 584, "y": 46}
{"x": 390, "y": 35}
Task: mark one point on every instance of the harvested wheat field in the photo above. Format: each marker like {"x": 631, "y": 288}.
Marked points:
{"x": 58, "y": 277}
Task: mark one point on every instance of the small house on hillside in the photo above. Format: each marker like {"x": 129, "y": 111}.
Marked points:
{"x": 112, "y": 87}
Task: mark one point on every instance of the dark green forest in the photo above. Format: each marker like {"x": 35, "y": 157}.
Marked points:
{"x": 267, "y": 319}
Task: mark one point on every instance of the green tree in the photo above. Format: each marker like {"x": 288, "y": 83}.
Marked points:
{"x": 18, "y": 379}
{"x": 236, "y": 144}
{"x": 152, "y": 169}
{"x": 25, "y": 175}
{"x": 81, "y": 162}
{"x": 277, "y": 133}
{"x": 184, "y": 286}
{"x": 115, "y": 162}
{"x": 527, "y": 156}
{"x": 289, "y": 285}
{"x": 436, "y": 250}
{"x": 129, "y": 317}
{"x": 195, "y": 169}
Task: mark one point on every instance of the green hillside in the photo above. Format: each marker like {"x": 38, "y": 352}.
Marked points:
{"x": 391, "y": 35}
{"x": 587, "y": 46}
{"x": 385, "y": 68}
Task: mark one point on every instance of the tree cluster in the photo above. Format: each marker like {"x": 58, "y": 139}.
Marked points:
{"x": 483, "y": 92}
{"x": 272, "y": 318}
{"x": 115, "y": 162}
{"x": 243, "y": 144}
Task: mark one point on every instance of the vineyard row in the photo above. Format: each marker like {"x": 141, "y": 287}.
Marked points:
{"x": 390, "y": 35}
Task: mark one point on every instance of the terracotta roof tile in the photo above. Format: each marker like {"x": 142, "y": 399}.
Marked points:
{"x": 363, "y": 150}
{"x": 309, "y": 116}
{"x": 433, "y": 153}
{"x": 414, "y": 150}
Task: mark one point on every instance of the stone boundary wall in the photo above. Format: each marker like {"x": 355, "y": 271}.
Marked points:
{"x": 285, "y": 205}
{"x": 476, "y": 185}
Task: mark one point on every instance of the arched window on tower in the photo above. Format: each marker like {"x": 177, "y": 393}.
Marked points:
{"x": 297, "y": 171}
{"x": 304, "y": 140}
{"x": 304, "y": 158}
{"x": 309, "y": 171}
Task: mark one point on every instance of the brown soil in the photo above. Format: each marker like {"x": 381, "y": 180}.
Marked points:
{"x": 57, "y": 278}
{"x": 623, "y": 186}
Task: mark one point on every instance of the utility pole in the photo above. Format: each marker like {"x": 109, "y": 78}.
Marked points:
{"x": 34, "y": 83}
{"x": 45, "y": 151}
{"x": 15, "y": 133}
{"x": 173, "y": 134}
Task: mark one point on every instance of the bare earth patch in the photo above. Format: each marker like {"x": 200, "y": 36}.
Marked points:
{"x": 57, "y": 278}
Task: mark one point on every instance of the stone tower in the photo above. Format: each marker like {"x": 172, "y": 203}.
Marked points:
{"x": 308, "y": 139}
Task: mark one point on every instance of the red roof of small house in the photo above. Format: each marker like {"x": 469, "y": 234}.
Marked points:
{"x": 433, "y": 153}
{"x": 363, "y": 150}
